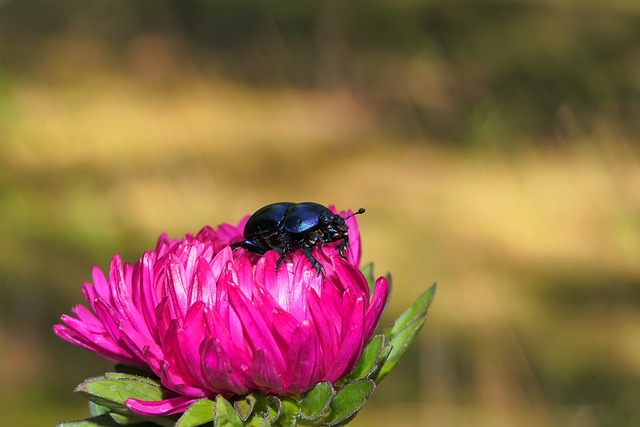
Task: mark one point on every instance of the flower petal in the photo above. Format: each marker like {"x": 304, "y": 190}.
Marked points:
{"x": 164, "y": 407}
{"x": 220, "y": 372}
{"x": 352, "y": 339}
{"x": 304, "y": 358}
{"x": 266, "y": 352}
{"x": 378, "y": 302}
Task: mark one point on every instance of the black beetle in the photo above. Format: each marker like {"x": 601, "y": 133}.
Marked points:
{"x": 286, "y": 226}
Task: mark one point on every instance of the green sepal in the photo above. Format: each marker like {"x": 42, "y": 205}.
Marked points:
{"x": 316, "y": 402}
{"x": 199, "y": 412}
{"x": 103, "y": 420}
{"x": 404, "y": 330}
{"x": 97, "y": 410}
{"x": 369, "y": 360}
{"x": 134, "y": 377}
{"x": 380, "y": 362}
{"x": 225, "y": 414}
{"x": 348, "y": 401}
{"x": 266, "y": 412}
{"x": 244, "y": 406}
{"x": 113, "y": 389}
{"x": 126, "y": 420}
{"x": 289, "y": 413}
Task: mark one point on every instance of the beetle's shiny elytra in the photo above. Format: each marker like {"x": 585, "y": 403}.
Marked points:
{"x": 285, "y": 227}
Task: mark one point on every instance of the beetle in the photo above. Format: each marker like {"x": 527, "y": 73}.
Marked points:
{"x": 286, "y": 226}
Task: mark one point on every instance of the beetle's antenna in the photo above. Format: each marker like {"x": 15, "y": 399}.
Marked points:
{"x": 358, "y": 212}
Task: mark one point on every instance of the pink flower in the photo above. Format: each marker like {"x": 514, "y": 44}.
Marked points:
{"x": 208, "y": 320}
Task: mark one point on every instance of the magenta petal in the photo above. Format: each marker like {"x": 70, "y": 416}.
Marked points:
{"x": 266, "y": 374}
{"x": 86, "y": 327}
{"x": 87, "y": 317}
{"x": 352, "y": 341}
{"x": 135, "y": 342}
{"x": 258, "y": 334}
{"x": 204, "y": 284}
{"x": 216, "y": 328}
{"x": 220, "y": 372}
{"x": 100, "y": 282}
{"x": 304, "y": 277}
{"x": 90, "y": 294}
{"x": 176, "y": 381}
{"x": 177, "y": 286}
{"x": 282, "y": 323}
{"x": 164, "y": 407}
{"x": 154, "y": 360}
{"x": 219, "y": 263}
{"x": 277, "y": 283}
{"x": 102, "y": 345}
{"x": 164, "y": 318}
{"x": 350, "y": 275}
{"x": 221, "y": 355}
{"x": 227, "y": 280}
{"x": 326, "y": 329}
{"x": 144, "y": 293}
{"x": 109, "y": 318}
{"x": 304, "y": 359}
{"x": 175, "y": 356}
{"x": 378, "y": 302}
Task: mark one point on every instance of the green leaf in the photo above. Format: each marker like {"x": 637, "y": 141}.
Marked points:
{"x": 100, "y": 421}
{"x": 199, "y": 412}
{"x": 265, "y": 422}
{"x": 369, "y": 360}
{"x": 245, "y": 405}
{"x": 289, "y": 413}
{"x": 380, "y": 361}
{"x": 225, "y": 414}
{"x": 266, "y": 411}
{"x": 272, "y": 405}
{"x": 367, "y": 271}
{"x": 104, "y": 420}
{"x": 126, "y": 376}
{"x": 316, "y": 401}
{"x": 97, "y": 410}
{"x": 404, "y": 330}
{"x": 113, "y": 389}
{"x": 126, "y": 419}
{"x": 348, "y": 401}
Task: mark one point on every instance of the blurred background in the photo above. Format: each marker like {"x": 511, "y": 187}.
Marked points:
{"x": 493, "y": 143}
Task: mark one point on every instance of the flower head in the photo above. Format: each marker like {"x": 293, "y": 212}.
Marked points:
{"x": 210, "y": 320}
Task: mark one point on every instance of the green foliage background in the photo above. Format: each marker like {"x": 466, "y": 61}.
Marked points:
{"x": 493, "y": 143}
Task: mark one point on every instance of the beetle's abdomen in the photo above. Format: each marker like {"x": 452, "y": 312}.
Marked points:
{"x": 267, "y": 219}
{"x": 304, "y": 217}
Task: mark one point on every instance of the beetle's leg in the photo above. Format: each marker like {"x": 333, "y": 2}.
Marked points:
{"x": 344, "y": 246}
{"x": 280, "y": 261}
{"x": 314, "y": 262}
{"x": 283, "y": 248}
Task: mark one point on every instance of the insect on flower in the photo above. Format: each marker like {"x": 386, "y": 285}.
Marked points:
{"x": 285, "y": 227}
{"x": 209, "y": 321}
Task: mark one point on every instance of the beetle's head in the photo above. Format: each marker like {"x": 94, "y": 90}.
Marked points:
{"x": 334, "y": 225}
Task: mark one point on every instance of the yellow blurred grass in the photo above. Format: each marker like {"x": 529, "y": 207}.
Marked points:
{"x": 110, "y": 154}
